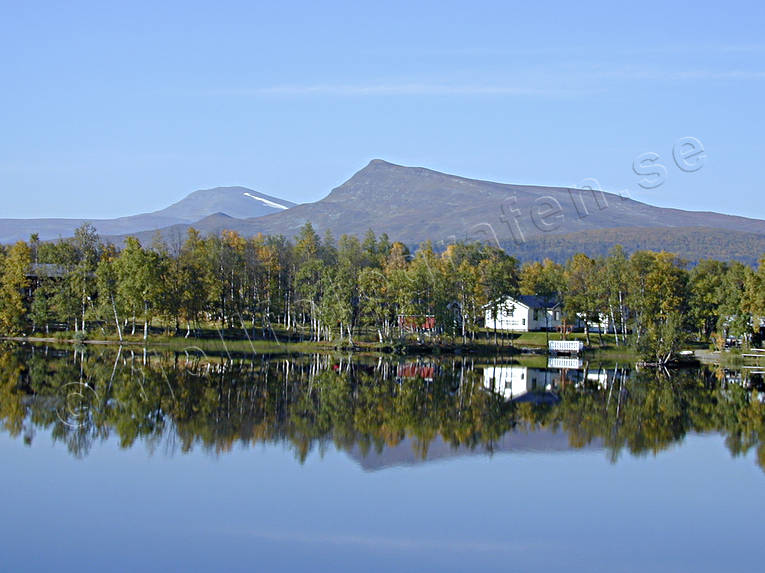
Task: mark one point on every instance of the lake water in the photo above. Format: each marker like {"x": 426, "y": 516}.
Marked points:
{"x": 186, "y": 461}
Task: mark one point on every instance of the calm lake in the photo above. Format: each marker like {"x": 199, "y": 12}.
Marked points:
{"x": 187, "y": 461}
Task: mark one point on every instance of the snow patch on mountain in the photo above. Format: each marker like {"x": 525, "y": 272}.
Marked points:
{"x": 265, "y": 201}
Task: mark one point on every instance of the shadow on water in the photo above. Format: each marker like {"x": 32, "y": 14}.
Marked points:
{"x": 382, "y": 412}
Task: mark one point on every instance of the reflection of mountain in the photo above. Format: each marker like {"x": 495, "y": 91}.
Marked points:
{"x": 408, "y": 452}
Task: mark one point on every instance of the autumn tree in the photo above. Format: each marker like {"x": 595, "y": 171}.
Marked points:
{"x": 581, "y": 299}
{"x": 738, "y": 291}
{"x": 546, "y": 280}
{"x": 753, "y": 300}
{"x": 13, "y": 284}
{"x": 107, "y": 280}
{"x": 706, "y": 294}
{"x": 195, "y": 277}
{"x": 661, "y": 303}
{"x": 498, "y": 280}
{"x": 139, "y": 273}
{"x": 614, "y": 287}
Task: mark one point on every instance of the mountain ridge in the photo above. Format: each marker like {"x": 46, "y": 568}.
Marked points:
{"x": 195, "y": 206}
{"x": 415, "y": 204}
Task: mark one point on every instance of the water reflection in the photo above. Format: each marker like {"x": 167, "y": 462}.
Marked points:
{"x": 382, "y": 412}
{"x": 522, "y": 382}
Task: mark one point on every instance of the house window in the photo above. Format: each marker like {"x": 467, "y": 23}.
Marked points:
{"x": 523, "y": 321}
{"x": 536, "y": 314}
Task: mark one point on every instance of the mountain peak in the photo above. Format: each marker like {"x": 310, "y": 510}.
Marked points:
{"x": 392, "y": 187}
{"x": 236, "y": 201}
{"x": 381, "y": 168}
{"x": 376, "y": 164}
{"x": 382, "y": 163}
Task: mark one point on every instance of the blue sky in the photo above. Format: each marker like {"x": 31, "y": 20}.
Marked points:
{"x": 112, "y": 110}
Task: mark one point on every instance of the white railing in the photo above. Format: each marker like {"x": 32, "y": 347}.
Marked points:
{"x": 565, "y": 346}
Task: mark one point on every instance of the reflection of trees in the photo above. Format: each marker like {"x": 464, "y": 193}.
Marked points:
{"x": 177, "y": 402}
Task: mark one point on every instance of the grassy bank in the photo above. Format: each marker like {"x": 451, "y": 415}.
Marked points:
{"x": 235, "y": 343}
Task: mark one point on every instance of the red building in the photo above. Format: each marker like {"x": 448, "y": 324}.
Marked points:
{"x": 417, "y": 323}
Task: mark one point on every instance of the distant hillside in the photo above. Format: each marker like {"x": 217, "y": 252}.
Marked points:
{"x": 691, "y": 243}
{"x": 233, "y": 201}
{"x": 414, "y": 204}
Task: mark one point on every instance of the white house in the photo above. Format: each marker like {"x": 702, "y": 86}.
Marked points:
{"x": 602, "y": 324}
{"x": 524, "y": 313}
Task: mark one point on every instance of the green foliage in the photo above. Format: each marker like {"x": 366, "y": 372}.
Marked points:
{"x": 707, "y": 294}
{"x": 13, "y": 284}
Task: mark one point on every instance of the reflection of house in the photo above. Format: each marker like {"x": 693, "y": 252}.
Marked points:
{"x": 599, "y": 377}
{"x": 524, "y": 313}
{"x": 513, "y": 381}
{"x": 734, "y": 377}
{"x": 416, "y": 370}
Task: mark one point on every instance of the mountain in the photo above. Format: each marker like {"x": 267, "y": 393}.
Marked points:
{"x": 414, "y": 204}
{"x": 237, "y": 202}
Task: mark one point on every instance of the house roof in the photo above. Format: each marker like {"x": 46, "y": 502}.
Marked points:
{"x": 534, "y": 301}
{"x": 530, "y": 301}
{"x": 46, "y": 270}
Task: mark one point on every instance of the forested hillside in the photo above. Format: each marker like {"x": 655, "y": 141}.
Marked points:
{"x": 690, "y": 243}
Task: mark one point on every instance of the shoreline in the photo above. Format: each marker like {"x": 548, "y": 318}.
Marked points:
{"x": 270, "y": 347}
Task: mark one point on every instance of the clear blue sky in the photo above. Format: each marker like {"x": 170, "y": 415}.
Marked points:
{"x": 107, "y": 111}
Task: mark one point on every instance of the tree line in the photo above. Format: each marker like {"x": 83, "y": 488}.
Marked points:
{"x": 691, "y": 243}
{"x": 340, "y": 290}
